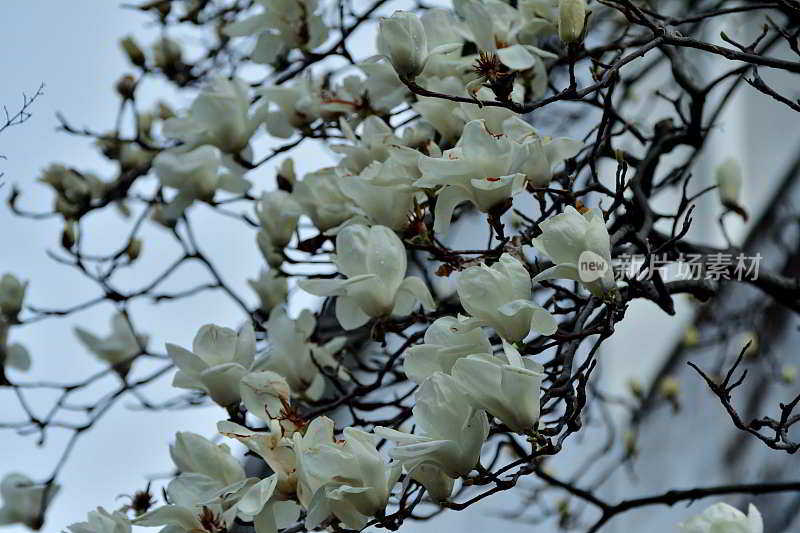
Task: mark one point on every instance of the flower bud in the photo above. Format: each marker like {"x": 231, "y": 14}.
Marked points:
{"x": 402, "y": 40}
{"x": 132, "y": 50}
{"x": 286, "y": 176}
{"x": 12, "y": 292}
{"x": 165, "y": 111}
{"x": 729, "y": 183}
{"x": 670, "y": 389}
{"x": 134, "y": 249}
{"x": 68, "y": 235}
{"x": 691, "y": 336}
{"x": 167, "y": 54}
{"x": 571, "y": 17}
{"x": 126, "y": 86}
{"x": 636, "y": 388}
{"x": 631, "y": 448}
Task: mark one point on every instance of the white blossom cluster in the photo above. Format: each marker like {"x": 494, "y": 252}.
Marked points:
{"x": 372, "y": 206}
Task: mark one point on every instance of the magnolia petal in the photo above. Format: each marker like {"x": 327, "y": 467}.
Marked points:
{"x": 516, "y": 57}
{"x": 331, "y": 287}
{"x": 446, "y": 203}
{"x": 257, "y": 496}
{"x": 349, "y": 314}
{"x": 562, "y": 271}
{"x": 411, "y": 291}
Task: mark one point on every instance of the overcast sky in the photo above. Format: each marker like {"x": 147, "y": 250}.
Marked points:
{"x": 71, "y": 48}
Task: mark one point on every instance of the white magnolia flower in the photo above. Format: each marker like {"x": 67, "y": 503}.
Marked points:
{"x": 278, "y": 214}
{"x": 580, "y": 247}
{"x": 24, "y": 501}
{"x": 118, "y": 348}
{"x": 211, "y": 490}
{"x": 507, "y": 387}
{"x": 402, "y": 39}
{"x": 374, "y": 261}
{"x": 722, "y": 518}
{"x": 449, "y": 117}
{"x": 219, "y": 359}
{"x": 320, "y": 194}
{"x": 374, "y": 144}
{"x": 384, "y": 88}
{"x": 571, "y": 18}
{"x": 282, "y": 26}
{"x": 196, "y": 175}
{"x": 446, "y": 341}
{"x": 274, "y": 445}
{"x": 219, "y": 116}
{"x": 482, "y": 168}
{"x": 101, "y": 521}
{"x": 208, "y": 492}
{"x": 384, "y": 190}
{"x": 500, "y": 297}
{"x": 194, "y": 454}
{"x": 291, "y": 107}
{"x": 348, "y": 479}
{"x": 451, "y": 432}
{"x": 292, "y": 356}
{"x": 12, "y": 294}
{"x": 495, "y": 27}
{"x": 267, "y": 395}
{"x": 544, "y": 153}
{"x": 272, "y": 289}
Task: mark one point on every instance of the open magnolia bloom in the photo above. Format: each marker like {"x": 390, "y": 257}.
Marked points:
{"x": 507, "y": 387}
{"x": 196, "y": 175}
{"x": 24, "y": 501}
{"x": 12, "y": 294}
{"x": 580, "y": 247}
{"x": 320, "y": 194}
{"x": 101, "y": 521}
{"x": 219, "y": 116}
{"x": 219, "y": 359}
{"x": 271, "y": 500}
{"x": 483, "y": 168}
{"x": 291, "y": 355}
{"x": 385, "y": 190}
{"x": 446, "y": 341}
{"x": 500, "y": 297}
{"x": 211, "y": 485}
{"x": 278, "y": 214}
{"x": 722, "y": 518}
{"x": 384, "y": 89}
{"x": 272, "y": 289}
{"x": 117, "y": 349}
{"x": 544, "y": 153}
{"x": 448, "y": 117}
{"x": 496, "y": 28}
{"x": 283, "y": 26}
{"x": 374, "y": 261}
{"x": 451, "y": 432}
{"x": 403, "y": 41}
{"x": 193, "y": 454}
{"x": 374, "y": 144}
{"x": 348, "y": 479}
